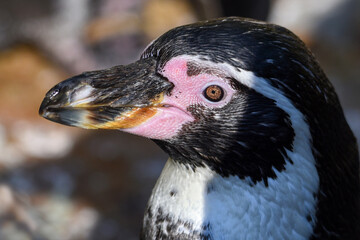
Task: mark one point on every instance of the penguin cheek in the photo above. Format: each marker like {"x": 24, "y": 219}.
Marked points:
{"x": 190, "y": 85}
{"x": 166, "y": 123}
{"x": 205, "y": 91}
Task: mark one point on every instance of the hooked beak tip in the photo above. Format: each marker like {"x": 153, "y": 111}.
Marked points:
{"x": 118, "y": 97}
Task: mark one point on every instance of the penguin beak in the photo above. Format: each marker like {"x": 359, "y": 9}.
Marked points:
{"x": 115, "y": 98}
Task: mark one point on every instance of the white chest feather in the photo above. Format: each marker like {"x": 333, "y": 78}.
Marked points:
{"x": 230, "y": 208}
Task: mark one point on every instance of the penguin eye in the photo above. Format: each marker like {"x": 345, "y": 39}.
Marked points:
{"x": 213, "y": 93}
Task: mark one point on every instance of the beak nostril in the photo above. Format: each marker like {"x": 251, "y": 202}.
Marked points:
{"x": 53, "y": 93}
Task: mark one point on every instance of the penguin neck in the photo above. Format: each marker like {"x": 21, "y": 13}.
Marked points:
{"x": 198, "y": 203}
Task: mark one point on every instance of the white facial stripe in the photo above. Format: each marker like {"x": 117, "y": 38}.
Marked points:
{"x": 301, "y": 176}
{"x": 279, "y": 211}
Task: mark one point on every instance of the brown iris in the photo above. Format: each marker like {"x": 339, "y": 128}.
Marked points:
{"x": 214, "y": 93}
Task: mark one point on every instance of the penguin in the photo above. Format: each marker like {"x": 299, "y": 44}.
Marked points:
{"x": 258, "y": 144}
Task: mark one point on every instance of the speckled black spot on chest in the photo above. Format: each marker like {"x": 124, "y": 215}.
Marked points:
{"x": 160, "y": 225}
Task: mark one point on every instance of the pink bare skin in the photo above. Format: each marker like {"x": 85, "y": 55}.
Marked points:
{"x": 187, "y": 91}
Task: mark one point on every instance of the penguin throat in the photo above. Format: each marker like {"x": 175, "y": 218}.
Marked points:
{"x": 197, "y": 203}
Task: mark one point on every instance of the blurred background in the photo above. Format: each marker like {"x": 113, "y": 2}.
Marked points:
{"x": 58, "y": 182}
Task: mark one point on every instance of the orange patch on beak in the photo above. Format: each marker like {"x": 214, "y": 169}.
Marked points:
{"x": 135, "y": 117}
{"x": 131, "y": 119}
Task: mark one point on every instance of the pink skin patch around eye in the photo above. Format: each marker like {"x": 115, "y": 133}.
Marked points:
{"x": 187, "y": 91}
